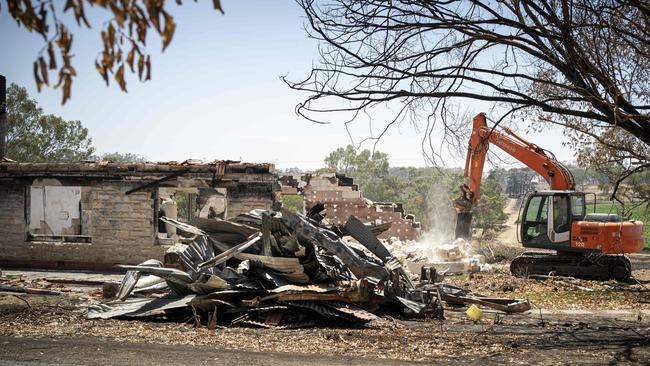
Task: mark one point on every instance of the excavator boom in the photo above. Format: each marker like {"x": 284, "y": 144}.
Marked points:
{"x": 555, "y": 219}
{"x": 531, "y": 155}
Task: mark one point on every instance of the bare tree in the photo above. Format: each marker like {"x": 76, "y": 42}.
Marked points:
{"x": 582, "y": 65}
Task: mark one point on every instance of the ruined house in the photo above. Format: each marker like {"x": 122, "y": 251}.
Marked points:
{"x": 342, "y": 198}
{"x": 92, "y": 215}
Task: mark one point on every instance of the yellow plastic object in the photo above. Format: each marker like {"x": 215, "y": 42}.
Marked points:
{"x": 474, "y": 313}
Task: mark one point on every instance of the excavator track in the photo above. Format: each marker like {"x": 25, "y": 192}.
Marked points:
{"x": 596, "y": 267}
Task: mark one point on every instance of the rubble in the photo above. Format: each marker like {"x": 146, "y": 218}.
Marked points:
{"x": 447, "y": 258}
{"x": 271, "y": 269}
{"x": 340, "y": 197}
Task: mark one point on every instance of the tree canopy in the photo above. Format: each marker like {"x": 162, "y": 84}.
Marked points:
{"x": 124, "y": 36}
{"x": 363, "y": 164}
{"x": 33, "y": 136}
{"x": 580, "y": 65}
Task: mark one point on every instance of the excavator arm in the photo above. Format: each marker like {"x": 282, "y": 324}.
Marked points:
{"x": 531, "y": 155}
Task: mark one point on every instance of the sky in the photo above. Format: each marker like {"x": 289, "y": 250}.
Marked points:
{"x": 215, "y": 92}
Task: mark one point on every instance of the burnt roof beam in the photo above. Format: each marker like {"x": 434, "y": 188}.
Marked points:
{"x": 156, "y": 182}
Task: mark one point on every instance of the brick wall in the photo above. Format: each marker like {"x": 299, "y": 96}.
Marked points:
{"x": 12, "y": 219}
{"x": 123, "y": 225}
{"x": 341, "y": 201}
{"x": 121, "y": 228}
{"x": 247, "y": 196}
{"x": 243, "y": 204}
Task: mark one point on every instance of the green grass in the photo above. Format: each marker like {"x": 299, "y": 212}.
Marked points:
{"x": 638, "y": 213}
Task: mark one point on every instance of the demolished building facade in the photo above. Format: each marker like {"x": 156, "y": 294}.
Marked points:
{"x": 93, "y": 215}
{"x": 341, "y": 198}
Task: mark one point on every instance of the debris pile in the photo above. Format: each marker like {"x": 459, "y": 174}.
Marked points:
{"x": 453, "y": 257}
{"x": 271, "y": 269}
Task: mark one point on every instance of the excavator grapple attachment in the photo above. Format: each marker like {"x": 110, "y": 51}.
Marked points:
{"x": 463, "y": 225}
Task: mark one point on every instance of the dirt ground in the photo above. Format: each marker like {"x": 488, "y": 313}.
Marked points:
{"x": 47, "y": 327}
{"x": 564, "y": 293}
{"x": 508, "y": 235}
{"x": 52, "y": 321}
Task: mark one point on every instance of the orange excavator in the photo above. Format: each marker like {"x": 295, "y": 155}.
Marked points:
{"x": 581, "y": 244}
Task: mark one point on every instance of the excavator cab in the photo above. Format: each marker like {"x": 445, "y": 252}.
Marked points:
{"x": 586, "y": 245}
{"x": 548, "y": 217}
